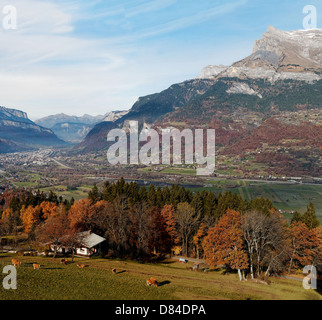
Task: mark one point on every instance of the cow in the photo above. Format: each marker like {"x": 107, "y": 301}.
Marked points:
{"x": 114, "y": 271}
{"x": 152, "y": 282}
{"x": 36, "y": 266}
{"x": 16, "y": 263}
{"x": 81, "y": 266}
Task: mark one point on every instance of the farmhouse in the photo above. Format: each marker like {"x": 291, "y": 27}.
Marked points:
{"x": 90, "y": 244}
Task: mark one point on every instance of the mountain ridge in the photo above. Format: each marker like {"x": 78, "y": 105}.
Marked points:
{"x": 240, "y": 100}
{"x": 19, "y": 133}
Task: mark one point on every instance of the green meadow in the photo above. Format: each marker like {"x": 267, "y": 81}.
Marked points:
{"x": 54, "y": 281}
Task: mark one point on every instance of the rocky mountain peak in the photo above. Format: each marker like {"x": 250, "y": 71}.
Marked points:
{"x": 13, "y": 114}
{"x": 281, "y": 55}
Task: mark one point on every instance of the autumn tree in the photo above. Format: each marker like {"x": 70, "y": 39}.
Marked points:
{"x": 48, "y": 209}
{"x": 31, "y": 218}
{"x": 224, "y": 243}
{"x": 80, "y": 214}
{"x": 9, "y": 221}
{"x": 72, "y": 240}
{"x": 304, "y": 242}
{"x": 265, "y": 238}
{"x": 160, "y": 240}
{"x": 54, "y": 229}
{"x": 318, "y": 249}
{"x": 100, "y": 217}
{"x": 199, "y": 238}
{"x": 187, "y": 220}
{"x": 168, "y": 215}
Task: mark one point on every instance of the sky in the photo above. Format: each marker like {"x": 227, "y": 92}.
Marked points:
{"x": 93, "y": 57}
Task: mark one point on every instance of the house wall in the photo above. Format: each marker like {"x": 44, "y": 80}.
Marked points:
{"x": 82, "y": 251}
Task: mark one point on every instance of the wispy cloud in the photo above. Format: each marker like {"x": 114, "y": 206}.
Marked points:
{"x": 80, "y": 56}
{"x": 192, "y": 20}
{"x": 149, "y": 6}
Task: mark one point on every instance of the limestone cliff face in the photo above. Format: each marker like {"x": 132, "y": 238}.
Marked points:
{"x": 281, "y": 55}
{"x": 211, "y": 72}
{"x": 18, "y": 133}
{"x": 302, "y": 49}
{"x": 12, "y": 114}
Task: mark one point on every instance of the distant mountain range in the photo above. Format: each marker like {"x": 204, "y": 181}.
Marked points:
{"x": 18, "y": 133}
{"x": 259, "y": 104}
{"x": 266, "y": 109}
{"x": 74, "y": 129}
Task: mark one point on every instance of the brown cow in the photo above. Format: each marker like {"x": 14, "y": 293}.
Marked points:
{"x": 152, "y": 282}
{"x": 114, "y": 271}
{"x": 81, "y": 266}
{"x": 36, "y": 266}
{"x": 15, "y": 262}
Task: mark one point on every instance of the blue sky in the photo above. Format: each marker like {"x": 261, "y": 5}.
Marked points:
{"x": 97, "y": 56}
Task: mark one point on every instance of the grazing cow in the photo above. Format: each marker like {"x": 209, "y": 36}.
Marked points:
{"x": 152, "y": 282}
{"x": 114, "y": 271}
{"x": 16, "y": 263}
{"x": 36, "y": 266}
{"x": 62, "y": 261}
{"x": 81, "y": 266}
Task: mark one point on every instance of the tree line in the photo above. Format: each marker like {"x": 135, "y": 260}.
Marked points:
{"x": 145, "y": 223}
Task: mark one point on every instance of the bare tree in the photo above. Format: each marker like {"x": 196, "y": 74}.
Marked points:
{"x": 265, "y": 239}
{"x": 119, "y": 227}
{"x": 187, "y": 220}
{"x": 141, "y": 222}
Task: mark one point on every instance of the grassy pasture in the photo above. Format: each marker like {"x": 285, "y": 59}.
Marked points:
{"x": 54, "y": 281}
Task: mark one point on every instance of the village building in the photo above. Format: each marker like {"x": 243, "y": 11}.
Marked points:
{"x": 90, "y": 245}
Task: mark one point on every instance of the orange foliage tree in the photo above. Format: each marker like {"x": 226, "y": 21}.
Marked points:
{"x": 53, "y": 230}
{"x": 80, "y": 214}
{"x": 304, "y": 243}
{"x": 199, "y": 238}
{"x": 168, "y": 215}
{"x": 318, "y": 250}
{"x": 48, "y": 209}
{"x": 9, "y": 221}
{"x": 30, "y": 217}
{"x": 224, "y": 243}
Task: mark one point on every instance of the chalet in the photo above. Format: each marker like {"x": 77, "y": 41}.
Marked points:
{"x": 90, "y": 245}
